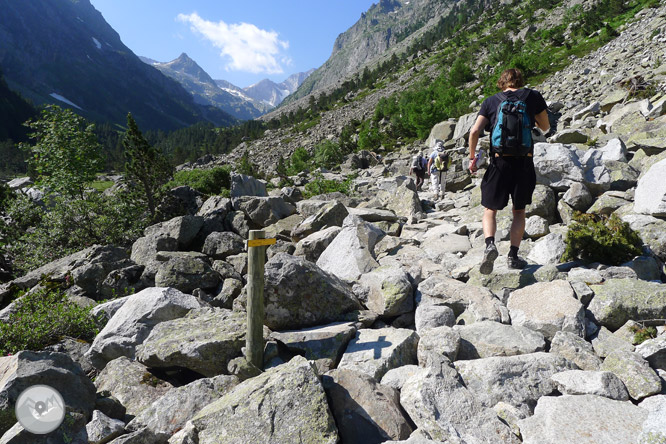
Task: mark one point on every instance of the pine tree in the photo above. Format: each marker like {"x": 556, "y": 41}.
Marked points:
{"x": 146, "y": 169}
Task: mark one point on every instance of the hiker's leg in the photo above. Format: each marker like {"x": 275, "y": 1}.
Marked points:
{"x": 517, "y": 227}
{"x": 489, "y": 222}
{"x": 434, "y": 182}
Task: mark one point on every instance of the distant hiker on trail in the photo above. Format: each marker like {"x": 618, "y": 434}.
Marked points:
{"x": 438, "y": 163}
{"x": 418, "y": 167}
{"x": 509, "y": 116}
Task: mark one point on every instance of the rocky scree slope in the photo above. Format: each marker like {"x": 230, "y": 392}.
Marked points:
{"x": 403, "y": 340}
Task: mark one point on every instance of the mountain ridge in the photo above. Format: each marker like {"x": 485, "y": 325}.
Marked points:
{"x": 67, "y": 49}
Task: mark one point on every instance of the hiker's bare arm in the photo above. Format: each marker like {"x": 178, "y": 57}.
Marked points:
{"x": 475, "y": 132}
{"x": 429, "y": 165}
{"x": 542, "y": 121}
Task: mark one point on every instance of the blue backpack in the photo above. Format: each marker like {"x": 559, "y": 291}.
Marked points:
{"x": 512, "y": 132}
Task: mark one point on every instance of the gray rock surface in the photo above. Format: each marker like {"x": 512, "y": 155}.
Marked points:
{"x": 547, "y": 307}
{"x": 582, "y": 419}
{"x": 365, "y": 411}
{"x": 580, "y": 382}
{"x": 324, "y": 344}
{"x": 355, "y": 243}
{"x": 291, "y": 283}
{"x": 204, "y": 341}
{"x": 618, "y": 300}
{"x": 132, "y": 384}
{"x": 169, "y": 413}
{"x": 102, "y": 429}
{"x": 651, "y": 192}
{"x": 27, "y": 368}
{"x": 641, "y": 380}
{"x": 390, "y": 292}
{"x": 376, "y": 351}
{"x": 133, "y": 322}
{"x": 517, "y": 380}
{"x": 487, "y": 338}
{"x": 284, "y": 404}
{"x": 443, "y": 409}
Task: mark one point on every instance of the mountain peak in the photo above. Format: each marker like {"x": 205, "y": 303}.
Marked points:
{"x": 186, "y": 65}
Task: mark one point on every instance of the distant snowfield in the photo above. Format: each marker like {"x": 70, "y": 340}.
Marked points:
{"x": 64, "y": 100}
{"x": 97, "y": 43}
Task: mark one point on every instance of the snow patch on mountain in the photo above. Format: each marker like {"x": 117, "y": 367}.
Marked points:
{"x": 64, "y": 100}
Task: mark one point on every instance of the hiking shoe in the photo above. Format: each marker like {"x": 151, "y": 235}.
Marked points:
{"x": 489, "y": 256}
{"x": 515, "y": 262}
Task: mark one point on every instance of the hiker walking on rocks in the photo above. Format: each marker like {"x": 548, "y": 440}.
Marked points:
{"x": 418, "y": 168}
{"x": 509, "y": 116}
{"x": 438, "y": 163}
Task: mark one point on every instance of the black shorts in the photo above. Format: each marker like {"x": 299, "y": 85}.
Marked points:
{"x": 508, "y": 176}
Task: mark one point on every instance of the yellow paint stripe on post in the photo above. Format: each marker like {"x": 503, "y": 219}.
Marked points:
{"x": 260, "y": 242}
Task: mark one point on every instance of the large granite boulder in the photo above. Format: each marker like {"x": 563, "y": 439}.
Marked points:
{"x": 132, "y": 323}
{"x": 445, "y": 410}
{"x": 650, "y": 195}
{"x": 399, "y": 195}
{"x": 242, "y": 185}
{"x": 470, "y": 303}
{"x": 581, "y": 419}
{"x": 132, "y": 384}
{"x": 170, "y": 413}
{"x": 221, "y": 244}
{"x": 639, "y": 378}
{"x": 351, "y": 254}
{"x": 376, "y": 351}
{"x": 324, "y": 344}
{"x": 312, "y": 246}
{"x": 557, "y": 165}
{"x": 299, "y": 294}
{"x": 517, "y": 380}
{"x": 484, "y": 339}
{"x": 204, "y": 341}
{"x": 651, "y": 230}
{"x": 580, "y": 382}
{"x": 182, "y": 228}
{"x": 548, "y": 307}
{"x": 390, "y": 292}
{"x": 283, "y": 405}
{"x": 332, "y": 215}
{"x": 186, "y": 274}
{"x": 57, "y": 370}
{"x": 618, "y": 300}
{"x": 264, "y": 211}
{"x": 365, "y": 411}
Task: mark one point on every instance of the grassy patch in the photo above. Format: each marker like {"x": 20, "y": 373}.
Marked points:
{"x": 43, "y": 318}
{"x": 102, "y": 185}
{"x": 211, "y": 182}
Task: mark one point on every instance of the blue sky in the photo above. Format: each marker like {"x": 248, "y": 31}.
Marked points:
{"x": 239, "y": 41}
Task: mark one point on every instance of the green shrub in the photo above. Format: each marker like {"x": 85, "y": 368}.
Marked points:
{"x": 42, "y": 318}
{"x": 602, "y": 239}
{"x": 323, "y": 186}
{"x": 327, "y": 154}
{"x": 643, "y": 333}
{"x": 211, "y": 181}
{"x": 299, "y": 161}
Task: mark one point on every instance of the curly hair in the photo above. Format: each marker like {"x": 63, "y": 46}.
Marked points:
{"x": 511, "y": 78}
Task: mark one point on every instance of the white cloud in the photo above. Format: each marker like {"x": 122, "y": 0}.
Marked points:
{"x": 249, "y": 48}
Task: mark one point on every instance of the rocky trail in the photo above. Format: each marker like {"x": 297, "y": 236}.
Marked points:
{"x": 378, "y": 325}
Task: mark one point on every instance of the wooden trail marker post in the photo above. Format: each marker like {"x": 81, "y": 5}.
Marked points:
{"x": 256, "y": 256}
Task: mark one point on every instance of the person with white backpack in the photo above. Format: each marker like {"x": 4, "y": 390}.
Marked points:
{"x": 438, "y": 164}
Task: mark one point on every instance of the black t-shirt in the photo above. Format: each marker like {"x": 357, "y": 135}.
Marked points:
{"x": 535, "y": 104}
